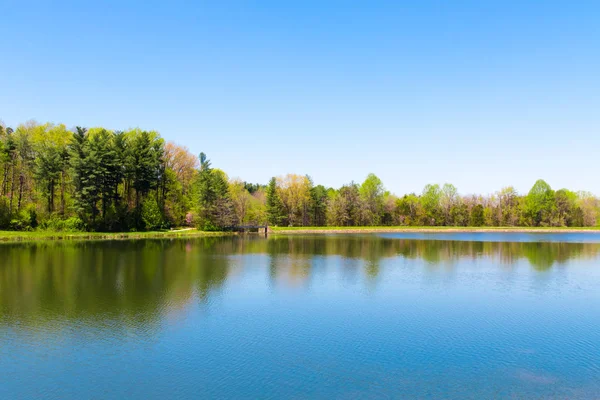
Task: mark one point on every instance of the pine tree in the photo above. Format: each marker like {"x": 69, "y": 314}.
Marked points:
{"x": 144, "y": 166}
{"x": 85, "y": 166}
{"x": 48, "y": 168}
{"x": 318, "y": 203}
{"x": 206, "y": 194}
{"x": 215, "y": 208}
{"x": 103, "y": 148}
{"x": 275, "y": 211}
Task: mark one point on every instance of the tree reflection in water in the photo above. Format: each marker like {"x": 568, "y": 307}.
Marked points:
{"x": 140, "y": 280}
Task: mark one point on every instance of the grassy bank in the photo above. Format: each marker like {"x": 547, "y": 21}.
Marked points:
{"x": 16, "y": 236}
{"x": 422, "y": 229}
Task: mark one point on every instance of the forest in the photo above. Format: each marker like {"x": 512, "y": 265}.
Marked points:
{"x": 54, "y": 178}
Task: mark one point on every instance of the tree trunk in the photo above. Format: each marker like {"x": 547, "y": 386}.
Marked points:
{"x": 5, "y": 179}
{"x": 128, "y": 193}
{"x": 51, "y": 197}
{"x": 104, "y": 202}
{"x": 21, "y": 183}
{"x": 62, "y": 194}
{"x": 12, "y": 186}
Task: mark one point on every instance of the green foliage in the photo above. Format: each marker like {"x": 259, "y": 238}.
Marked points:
{"x": 100, "y": 180}
{"x": 539, "y": 205}
{"x": 409, "y": 210}
{"x": 345, "y": 207}
{"x": 371, "y": 192}
{"x": 430, "y": 199}
{"x": 215, "y": 208}
{"x": 318, "y": 205}
{"x": 4, "y": 213}
{"x": 25, "y": 220}
{"x": 102, "y": 161}
{"x": 87, "y": 175}
{"x": 477, "y": 216}
{"x": 56, "y": 224}
{"x": 151, "y": 214}
{"x": 275, "y": 211}
{"x": 145, "y": 157}
{"x": 458, "y": 215}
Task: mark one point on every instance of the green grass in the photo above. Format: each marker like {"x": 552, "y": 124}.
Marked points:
{"x": 15, "y": 236}
{"x": 53, "y": 235}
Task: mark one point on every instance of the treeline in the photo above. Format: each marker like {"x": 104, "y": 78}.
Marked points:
{"x": 103, "y": 180}
{"x": 295, "y": 201}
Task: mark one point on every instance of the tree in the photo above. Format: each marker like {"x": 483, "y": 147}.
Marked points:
{"x": 23, "y": 163}
{"x": 409, "y": 210}
{"x": 7, "y": 156}
{"x": 508, "y": 207}
{"x": 215, "y": 208}
{"x": 85, "y": 166}
{"x": 240, "y": 197}
{"x": 589, "y": 205}
{"x": 275, "y": 211}
{"x": 49, "y": 165}
{"x": 448, "y": 199}
{"x": 539, "y": 204}
{"x": 430, "y": 199}
{"x": 50, "y": 145}
{"x": 345, "y": 206}
{"x": 132, "y": 180}
{"x": 224, "y": 210}
{"x": 183, "y": 163}
{"x": 207, "y": 195}
{"x": 371, "y": 192}
{"x": 318, "y": 205}
{"x": 459, "y": 213}
{"x": 565, "y": 208}
{"x": 477, "y": 217}
{"x": 257, "y": 208}
{"x": 151, "y": 214}
{"x": 294, "y": 191}
{"x": 146, "y": 160}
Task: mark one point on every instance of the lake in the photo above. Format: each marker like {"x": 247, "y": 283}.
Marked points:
{"x": 457, "y": 316}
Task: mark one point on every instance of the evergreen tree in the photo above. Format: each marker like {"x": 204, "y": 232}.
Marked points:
{"x": 215, "y": 207}
{"x": 102, "y": 148}
{"x": 318, "y": 211}
{"x": 275, "y": 210}
{"x": 145, "y": 165}
{"x": 85, "y": 169}
{"x": 206, "y": 194}
{"x": 48, "y": 168}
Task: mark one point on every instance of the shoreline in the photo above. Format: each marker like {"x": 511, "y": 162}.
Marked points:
{"x": 27, "y": 236}
{"x": 359, "y": 230}
{"x": 24, "y": 236}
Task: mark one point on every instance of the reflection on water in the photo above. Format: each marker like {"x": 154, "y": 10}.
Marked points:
{"x": 82, "y": 279}
{"x": 311, "y": 317}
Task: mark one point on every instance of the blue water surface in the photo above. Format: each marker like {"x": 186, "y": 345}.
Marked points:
{"x": 333, "y": 317}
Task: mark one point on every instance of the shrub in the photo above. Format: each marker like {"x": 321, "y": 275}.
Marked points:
{"x": 25, "y": 220}
{"x": 190, "y": 218}
{"x": 151, "y": 215}
{"x": 55, "y": 223}
{"x": 73, "y": 224}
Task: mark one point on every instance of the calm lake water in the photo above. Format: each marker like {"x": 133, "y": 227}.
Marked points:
{"x": 461, "y": 316}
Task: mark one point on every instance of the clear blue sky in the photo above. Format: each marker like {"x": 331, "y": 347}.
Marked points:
{"x": 481, "y": 94}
